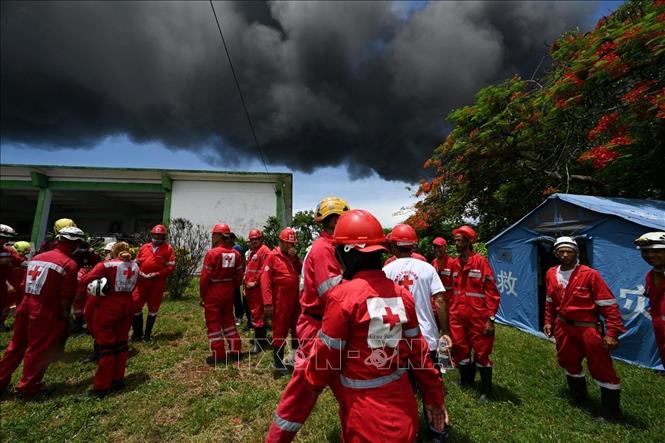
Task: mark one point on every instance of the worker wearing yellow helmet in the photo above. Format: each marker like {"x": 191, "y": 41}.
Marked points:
{"x": 59, "y": 224}
{"x": 9, "y": 260}
{"x": 17, "y": 279}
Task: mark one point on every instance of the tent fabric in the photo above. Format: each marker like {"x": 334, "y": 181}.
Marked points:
{"x": 610, "y": 226}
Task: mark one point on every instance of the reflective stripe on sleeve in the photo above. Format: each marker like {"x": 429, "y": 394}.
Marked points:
{"x": 580, "y": 375}
{"x": 170, "y": 263}
{"x": 285, "y": 425}
{"x": 608, "y": 302}
{"x": 329, "y": 284}
{"x": 413, "y": 332}
{"x": 333, "y": 343}
{"x": 548, "y": 299}
{"x": 475, "y": 294}
{"x": 372, "y": 383}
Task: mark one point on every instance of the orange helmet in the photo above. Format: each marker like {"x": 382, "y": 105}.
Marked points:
{"x": 403, "y": 235}
{"x": 221, "y": 228}
{"x": 255, "y": 233}
{"x": 288, "y": 235}
{"x": 159, "y": 229}
{"x": 359, "y": 229}
{"x": 440, "y": 241}
{"x": 467, "y": 231}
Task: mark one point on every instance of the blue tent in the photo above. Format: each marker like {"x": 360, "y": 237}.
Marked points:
{"x": 605, "y": 228}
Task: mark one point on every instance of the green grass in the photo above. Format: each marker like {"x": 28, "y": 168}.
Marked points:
{"x": 172, "y": 395}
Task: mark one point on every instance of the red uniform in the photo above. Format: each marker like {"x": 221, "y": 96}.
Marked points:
{"x": 221, "y": 275}
{"x": 321, "y": 272}
{"x": 413, "y": 255}
{"x": 656, "y": 296}
{"x": 10, "y": 260}
{"x": 254, "y": 295}
{"x": 112, "y": 318}
{"x": 41, "y": 319}
{"x": 17, "y": 279}
{"x": 444, "y": 267}
{"x": 279, "y": 283}
{"x": 159, "y": 259}
{"x": 475, "y": 299}
{"x": 368, "y": 339}
{"x": 576, "y": 308}
{"x": 81, "y": 293}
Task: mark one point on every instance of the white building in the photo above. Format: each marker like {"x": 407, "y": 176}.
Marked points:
{"x": 106, "y": 201}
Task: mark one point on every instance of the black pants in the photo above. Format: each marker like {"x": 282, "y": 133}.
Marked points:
{"x": 240, "y": 306}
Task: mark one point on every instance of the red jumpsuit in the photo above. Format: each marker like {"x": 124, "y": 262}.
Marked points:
{"x": 221, "y": 275}
{"x": 279, "y": 283}
{"x": 321, "y": 272}
{"x": 475, "y": 299}
{"x": 17, "y": 279}
{"x": 656, "y": 296}
{"x": 10, "y": 260}
{"x": 413, "y": 255}
{"x": 81, "y": 293}
{"x": 254, "y": 295}
{"x": 444, "y": 267}
{"x": 159, "y": 259}
{"x": 41, "y": 319}
{"x": 112, "y": 318}
{"x": 576, "y": 309}
{"x": 368, "y": 339}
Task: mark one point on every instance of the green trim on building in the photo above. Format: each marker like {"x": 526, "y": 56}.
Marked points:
{"x": 279, "y": 201}
{"x": 39, "y": 180}
{"x": 16, "y": 184}
{"x": 166, "y": 216}
{"x": 104, "y": 186}
{"x": 41, "y": 217}
{"x": 167, "y": 182}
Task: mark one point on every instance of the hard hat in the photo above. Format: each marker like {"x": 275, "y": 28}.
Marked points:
{"x": 159, "y": 229}
{"x": 288, "y": 235}
{"x": 440, "y": 241}
{"x": 255, "y": 233}
{"x": 109, "y": 246}
{"x": 221, "y": 228}
{"x": 71, "y": 233}
{"x": 467, "y": 231}
{"x": 359, "y": 229}
{"x": 651, "y": 240}
{"x": 329, "y": 206}
{"x": 7, "y": 231}
{"x": 565, "y": 241}
{"x": 63, "y": 223}
{"x": 403, "y": 235}
{"x": 99, "y": 287}
{"x": 22, "y": 247}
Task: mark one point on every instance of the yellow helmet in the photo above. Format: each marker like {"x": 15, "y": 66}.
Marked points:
{"x": 22, "y": 247}
{"x": 328, "y": 206}
{"x": 63, "y": 223}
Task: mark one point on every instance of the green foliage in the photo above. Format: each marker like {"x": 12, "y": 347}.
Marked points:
{"x": 271, "y": 231}
{"x": 190, "y": 243}
{"x": 303, "y": 223}
{"x": 593, "y": 124}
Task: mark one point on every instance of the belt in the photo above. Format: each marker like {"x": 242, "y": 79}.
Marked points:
{"x": 584, "y": 324}
{"x": 318, "y": 317}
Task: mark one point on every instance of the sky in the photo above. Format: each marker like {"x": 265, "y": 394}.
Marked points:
{"x": 350, "y": 98}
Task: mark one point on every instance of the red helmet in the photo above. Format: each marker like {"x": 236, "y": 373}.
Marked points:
{"x": 403, "y": 235}
{"x": 255, "y": 233}
{"x": 159, "y": 229}
{"x": 359, "y": 229}
{"x": 288, "y": 235}
{"x": 440, "y": 241}
{"x": 221, "y": 228}
{"x": 467, "y": 231}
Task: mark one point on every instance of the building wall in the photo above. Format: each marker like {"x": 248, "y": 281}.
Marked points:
{"x": 242, "y": 205}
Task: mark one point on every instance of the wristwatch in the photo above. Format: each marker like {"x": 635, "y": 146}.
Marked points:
{"x": 491, "y": 318}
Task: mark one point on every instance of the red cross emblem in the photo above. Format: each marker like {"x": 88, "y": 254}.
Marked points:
{"x": 128, "y": 273}
{"x": 227, "y": 258}
{"x": 406, "y": 283}
{"x": 34, "y": 273}
{"x": 390, "y": 319}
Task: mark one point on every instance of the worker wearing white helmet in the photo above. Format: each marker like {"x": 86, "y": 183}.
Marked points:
{"x": 9, "y": 261}
{"x": 652, "y": 247}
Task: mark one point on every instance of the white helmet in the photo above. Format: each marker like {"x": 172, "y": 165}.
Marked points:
{"x": 7, "y": 231}
{"x": 109, "y": 246}
{"x": 71, "y": 233}
{"x": 651, "y": 240}
{"x": 565, "y": 241}
{"x": 99, "y": 287}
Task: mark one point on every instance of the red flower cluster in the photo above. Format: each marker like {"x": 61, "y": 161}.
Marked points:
{"x": 600, "y": 157}
{"x": 561, "y": 103}
{"x": 571, "y": 77}
{"x": 621, "y": 140}
{"x": 638, "y": 93}
{"x": 549, "y": 191}
{"x": 605, "y": 122}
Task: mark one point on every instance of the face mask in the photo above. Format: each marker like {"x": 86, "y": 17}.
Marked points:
{"x": 157, "y": 242}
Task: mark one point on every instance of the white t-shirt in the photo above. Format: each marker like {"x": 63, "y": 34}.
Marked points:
{"x": 563, "y": 277}
{"x": 422, "y": 280}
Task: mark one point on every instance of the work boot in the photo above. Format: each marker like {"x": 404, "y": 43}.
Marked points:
{"x": 137, "y": 326}
{"x": 610, "y": 408}
{"x": 94, "y": 355}
{"x": 467, "y": 374}
{"x": 149, "y": 323}
{"x": 77, "y": 325}
{"x": 577, "y": 387}
{"x": 278, "y": 359}
{"x": 485, "y": 383}
{"x": 118, "y": 385}
{"x": 259, "y": 340}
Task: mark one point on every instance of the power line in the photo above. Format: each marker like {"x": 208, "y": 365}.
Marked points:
{"x": 242, "y": 98}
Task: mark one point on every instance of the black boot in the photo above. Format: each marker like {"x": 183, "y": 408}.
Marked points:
{"x": 610, "y": 404}
{"x": 278, "y": 359}
{"x": 137, "y": 326}
{"x": 77, "y": 325}
{"x": 259, "y": 340}
{"x": 467, "y": 374}
{"x": 94, "y": 356}
{"x": 485, "y": 383}
{"x": 577, "y": 387}
{"x": 149, "y": 323}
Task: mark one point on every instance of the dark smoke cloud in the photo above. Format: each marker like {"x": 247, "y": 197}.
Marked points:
{"x": 326, "y": 83}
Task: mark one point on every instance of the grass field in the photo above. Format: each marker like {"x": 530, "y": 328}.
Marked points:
{"x": 172, "y": 395}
